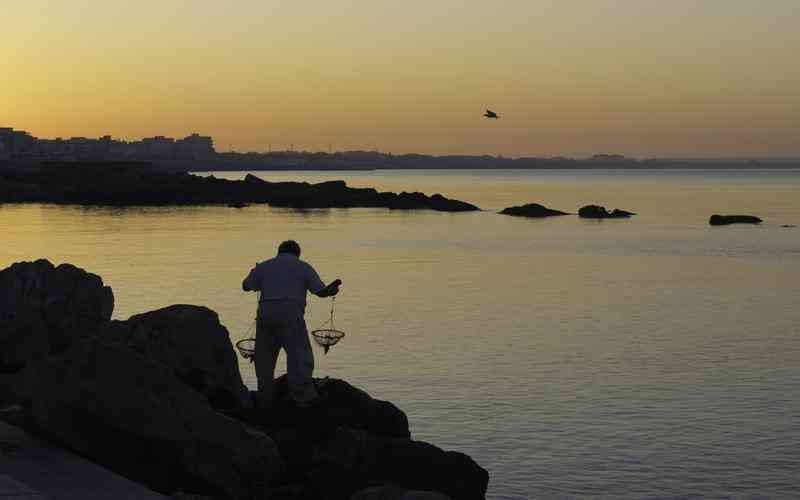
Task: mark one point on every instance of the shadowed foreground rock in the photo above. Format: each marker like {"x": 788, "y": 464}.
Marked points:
{"x": 44, "y": 309}
{"x": 132, "y": 415}
{"x": 141, "y": 397}
{"x": 350, "y": 441}
{"x": 131, "y": 184}
{"x": 532, "y": 210}
{"x": 192, "y": 342}
{"x": 600, "y": 212}
{"x": 724, "y": 220}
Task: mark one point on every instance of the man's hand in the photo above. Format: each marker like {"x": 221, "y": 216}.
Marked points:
{"x": 330, "y": 290}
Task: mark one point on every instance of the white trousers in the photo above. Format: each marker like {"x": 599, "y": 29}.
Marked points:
{"x": 281, "y": 326}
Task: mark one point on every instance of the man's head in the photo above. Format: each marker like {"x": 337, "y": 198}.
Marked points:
{"x": 289, "y": 246}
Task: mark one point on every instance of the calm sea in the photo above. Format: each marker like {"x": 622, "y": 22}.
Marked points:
{"x": 656, "y": 357}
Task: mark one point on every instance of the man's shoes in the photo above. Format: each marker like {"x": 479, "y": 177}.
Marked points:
{"x": 321, "y": 382}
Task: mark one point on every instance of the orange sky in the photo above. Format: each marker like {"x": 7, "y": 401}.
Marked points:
{"x": 639, "y": 77}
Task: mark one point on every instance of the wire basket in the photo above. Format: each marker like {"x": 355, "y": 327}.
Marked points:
{"x": 247, "y": 348}
{"x": 327, "y": 337}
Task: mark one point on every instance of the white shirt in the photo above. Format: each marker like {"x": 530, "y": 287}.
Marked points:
{"x": 284, "y": 277}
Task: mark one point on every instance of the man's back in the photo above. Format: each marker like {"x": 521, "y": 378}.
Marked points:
{"x": 284, "y": 277}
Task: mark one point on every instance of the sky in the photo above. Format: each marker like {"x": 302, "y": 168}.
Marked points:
{"x": 644, "y": 78}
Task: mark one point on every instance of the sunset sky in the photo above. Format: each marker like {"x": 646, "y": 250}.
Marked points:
{"x": 638, "y": 77}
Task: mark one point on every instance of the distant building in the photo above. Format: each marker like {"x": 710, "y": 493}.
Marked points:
{"x": 17, "y": 143}
{"x": 195, "y": 147}
{"x": 20, "y": 144}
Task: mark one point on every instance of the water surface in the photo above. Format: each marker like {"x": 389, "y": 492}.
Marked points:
{"x": 652, "y": 357}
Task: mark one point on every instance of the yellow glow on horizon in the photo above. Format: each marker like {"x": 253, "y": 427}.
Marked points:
{"x": 639, "y": 77}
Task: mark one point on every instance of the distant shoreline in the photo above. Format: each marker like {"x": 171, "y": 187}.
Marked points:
{"x": 373, "y": 161}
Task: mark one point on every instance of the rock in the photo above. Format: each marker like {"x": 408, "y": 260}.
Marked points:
{"x": 395, "y": 493}
{"x": 788, "y": 225}
{"x": 342, "y": 405}
{"x": 191, "y": 341}
{"x": 349, "y": 441}
{"x": 532, "y": 210}
{"x": 135, "y": 184}
{"x": 131, "y": 414}
{"x": 45, "y": 309}
{"x": 599, "y": 212}
{"x": 724, "y": 220}
{"x": 359, "y": 458}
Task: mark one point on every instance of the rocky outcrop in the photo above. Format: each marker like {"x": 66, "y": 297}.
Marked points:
{"x": 134, "y": 416}
{"x": 600, "y": 212}
{"x": 724, "y": 220}
{"x": 395, "y": 493}
{"x": 45, "y": 309}
{"x": 158, "y": 399}
{"x": 349, "y": 441}
{"x": 191, "y": 341}
{"x": 129, "y": 184}
{"x": 532, "y": 210}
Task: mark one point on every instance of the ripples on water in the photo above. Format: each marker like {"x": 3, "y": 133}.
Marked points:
{"x": 652, "y": 357}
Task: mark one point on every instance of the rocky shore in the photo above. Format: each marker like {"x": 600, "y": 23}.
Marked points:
{"x": 158, "y": 398}
{"x": 125, "y": 184}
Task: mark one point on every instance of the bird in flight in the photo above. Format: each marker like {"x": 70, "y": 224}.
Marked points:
{"x": 490, "y": 114}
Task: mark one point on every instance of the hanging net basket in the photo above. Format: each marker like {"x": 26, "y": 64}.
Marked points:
{"x": 247, "y": 348}
{"x": 327, "y": 335}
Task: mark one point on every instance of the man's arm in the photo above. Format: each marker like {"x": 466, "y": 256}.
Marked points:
{"x": 330, "y": 290}
{"x": 250, "y": 284}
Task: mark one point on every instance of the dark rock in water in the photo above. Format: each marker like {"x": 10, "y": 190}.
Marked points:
{"x": 724, "y": 220}
{"x": 358, "y": 457}
{"x": 191, "y": 341}
{"x": 600, "y": 212}
{"x": 389, "y": 492}
{"x": 342, "y": 404}
{"x": 129, "y": 185}
{"x": 132, "y": 415}
{"x": 139, "y": 397}
{"x": 788, "y": 225}
{"x": 45, "y": 309}
{"x": 349, "y": 441}
{"x": 532, "y": 210}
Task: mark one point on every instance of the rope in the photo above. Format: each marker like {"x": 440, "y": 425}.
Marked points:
{"x": 330, "y": 320}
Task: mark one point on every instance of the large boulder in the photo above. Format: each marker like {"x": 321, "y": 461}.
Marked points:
{"x": 131, "y": 414}
{"x": 532, "y": 210}
{"x": 724, "y": 220}
{"x": 353, "y": 459}
{"x": 44, "y": 309}
{"x": 600, "y": 212}
{"x": 389, "y": 492}
{"x": 192, "y": 342}
{"x": 342, "y": 405}
{"x": 349, "y": 441}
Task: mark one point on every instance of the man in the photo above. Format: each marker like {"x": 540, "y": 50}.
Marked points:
{"x": 283, "y": 282}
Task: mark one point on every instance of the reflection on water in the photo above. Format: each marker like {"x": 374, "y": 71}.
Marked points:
{"x": 655, "y": 356}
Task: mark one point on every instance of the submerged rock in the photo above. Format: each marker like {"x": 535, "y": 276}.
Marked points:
{"x": 724, "y": 220}
{"x": 532, "y": 210}
{"x": 45, "y": 309}
{"x": 191, "y": 341}
{"x": 132, "y": 415}
{"x": 600, "y": 212}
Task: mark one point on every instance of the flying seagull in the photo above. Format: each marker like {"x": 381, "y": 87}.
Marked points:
{"x": 491, "y": 114}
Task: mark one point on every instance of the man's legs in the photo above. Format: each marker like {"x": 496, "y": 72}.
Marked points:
{"x": 299, "y": 359}
{"x": 267, "y": 347}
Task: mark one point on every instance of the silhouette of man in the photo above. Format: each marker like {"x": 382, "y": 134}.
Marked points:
{"x": 283, "y": 282}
